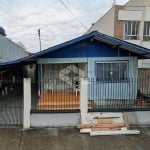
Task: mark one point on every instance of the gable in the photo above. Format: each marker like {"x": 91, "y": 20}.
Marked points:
{"x": 87, "y": 48}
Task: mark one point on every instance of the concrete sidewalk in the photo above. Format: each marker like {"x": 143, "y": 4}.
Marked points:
{"x": 69, "y": 139}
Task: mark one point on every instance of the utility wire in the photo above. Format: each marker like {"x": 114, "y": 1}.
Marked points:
{"x": 73, "y": 14}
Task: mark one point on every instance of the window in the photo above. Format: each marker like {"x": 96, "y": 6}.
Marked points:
{"x": 146, "y": 34}
{"x": 112, "y": 71}
{"x": 131, "y": 30}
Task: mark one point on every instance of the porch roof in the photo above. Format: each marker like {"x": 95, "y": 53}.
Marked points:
{"x": 139, "y": 50}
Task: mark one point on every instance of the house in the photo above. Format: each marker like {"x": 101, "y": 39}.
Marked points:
{"x": 106, "y": 60}
{"x": 105, "y": 66}
{"x": 9, "y": 50}
{"x": 129, "y": 22}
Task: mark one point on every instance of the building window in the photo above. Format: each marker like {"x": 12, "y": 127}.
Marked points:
{"x": 146, "y": 34}
{"x": 112, "y": 71}
{"x": 131, "y": 30}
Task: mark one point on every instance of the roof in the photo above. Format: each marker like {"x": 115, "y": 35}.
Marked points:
{"x": 145, "y": 52}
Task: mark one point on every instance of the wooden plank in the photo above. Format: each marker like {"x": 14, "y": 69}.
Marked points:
{"x": 126, "y": 121}
{"x": 108, "y": 126}
{"x": 106, "y": 117}
{"x": 118, "y": 132}
{"x": 81, "y": 126}
{"x": 105, "y": 129}
{"x": 87, "y": 130}
{"x": 105, "y": 121}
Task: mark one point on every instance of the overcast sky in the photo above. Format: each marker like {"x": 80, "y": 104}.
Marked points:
{"x": 22, "y": 18}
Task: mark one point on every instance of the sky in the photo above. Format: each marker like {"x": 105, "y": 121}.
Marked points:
{"x": 21, "y": 20}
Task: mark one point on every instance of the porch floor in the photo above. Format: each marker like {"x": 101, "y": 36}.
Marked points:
{"x": 60, "y": 100}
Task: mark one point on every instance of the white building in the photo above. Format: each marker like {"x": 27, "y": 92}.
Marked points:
{"x": 130, "y": 22}
{"x": 8, "y": 49}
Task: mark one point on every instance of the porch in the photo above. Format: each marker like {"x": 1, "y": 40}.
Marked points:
{"x": 60, "y": 100}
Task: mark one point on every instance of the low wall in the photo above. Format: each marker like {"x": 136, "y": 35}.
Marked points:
{"x": 139, "y": 118}
{"x": 54, "y": 119}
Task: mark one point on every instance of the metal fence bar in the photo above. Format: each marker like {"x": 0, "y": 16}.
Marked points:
{"x": 59, "y": 95}
{"x": 11, "y": 102}
{"x": 130, "y": 95}
{"x": 56, "y": 96}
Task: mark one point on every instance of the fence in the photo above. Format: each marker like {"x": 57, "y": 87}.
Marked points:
{"x": 11, "y": 102}
{"x": 129, "y": 95}
{"x": 64, "y": 96}
{"x": 56, "y": 96}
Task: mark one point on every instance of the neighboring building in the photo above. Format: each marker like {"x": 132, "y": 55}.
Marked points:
{"x": 130, "y": 22}
{"x": 9, "y": 50}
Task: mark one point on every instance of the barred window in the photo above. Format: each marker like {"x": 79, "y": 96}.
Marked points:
{"x": 112, "y": 71}
{"x": 131, "y": 30}
{"x": 146, "y": 34}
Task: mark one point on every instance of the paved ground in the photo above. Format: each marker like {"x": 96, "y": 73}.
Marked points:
{"x": 69, "y": 139}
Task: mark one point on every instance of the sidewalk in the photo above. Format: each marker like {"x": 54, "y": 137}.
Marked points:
{"x": 69, "y": 139}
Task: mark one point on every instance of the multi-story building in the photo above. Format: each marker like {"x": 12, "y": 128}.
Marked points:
{"x": 130, "y": 22}
{"x": 8, "y": 49}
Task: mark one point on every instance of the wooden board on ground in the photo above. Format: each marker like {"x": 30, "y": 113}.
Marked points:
{"x": 105, "y": 124}
{"x": 118, "y": 132}
{"x": 117, "y": 125}
{"x": 104, "y": 121}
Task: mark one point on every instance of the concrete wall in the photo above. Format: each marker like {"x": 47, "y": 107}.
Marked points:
{"x": 139, "y": 118}
{"x": 54, "y": 119}
{"x": 105, "y": 24}
{"x": 129, "y": 15}
{"x": 138, "y": 3}
{"x": 147, "y": 45}
{"x": 9, "y": 50}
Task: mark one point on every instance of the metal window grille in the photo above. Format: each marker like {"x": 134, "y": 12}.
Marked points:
{"x": 112, "y": 71}
{"x": 132, "y": 95}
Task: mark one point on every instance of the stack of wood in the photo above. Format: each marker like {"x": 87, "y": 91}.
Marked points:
{"x": 103, "y": 124}
{"x": 107, "y": 126}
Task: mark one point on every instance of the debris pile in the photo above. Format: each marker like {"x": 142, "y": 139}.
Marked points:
{"x": 105, "y": 124}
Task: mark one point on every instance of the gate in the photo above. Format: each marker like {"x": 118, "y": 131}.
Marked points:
{"x": 11, "y": 103}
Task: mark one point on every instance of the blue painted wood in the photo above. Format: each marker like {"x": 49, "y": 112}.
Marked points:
{"x": 87, "y": 48}
{"x": 96, "y": 51}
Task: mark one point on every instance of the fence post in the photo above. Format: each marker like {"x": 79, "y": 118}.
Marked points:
{"x": 83, "y": 98}
{"x": 27, "y": 103}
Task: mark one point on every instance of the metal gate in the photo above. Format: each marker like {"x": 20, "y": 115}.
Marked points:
{"x": 11, "y": 103}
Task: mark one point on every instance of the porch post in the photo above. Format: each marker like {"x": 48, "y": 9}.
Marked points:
{"x": 27, "y": 102}
{"x": 83, "y": 97}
